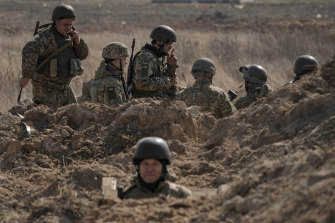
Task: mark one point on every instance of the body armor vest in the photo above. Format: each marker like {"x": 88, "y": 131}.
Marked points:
{"x": 58, "y": 66}
{"x": 159, "y": 73}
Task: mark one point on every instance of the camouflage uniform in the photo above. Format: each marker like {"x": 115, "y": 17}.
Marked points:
{"x": 255, "y": 77}
{"x": 107, "y": 86}
{"x": 151, "y": 77}
{"x": 253, "y": 94}
{"x": 51, "y": 82}
{"x": 208, "y": 98}
{"x": 138, "y": 190}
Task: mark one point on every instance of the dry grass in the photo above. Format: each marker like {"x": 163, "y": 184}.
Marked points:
{"x": 229, "y": 50}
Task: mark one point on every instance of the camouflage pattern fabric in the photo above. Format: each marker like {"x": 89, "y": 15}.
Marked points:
{"x": 85, "y": 92}
{"x": 107, "y": 86}
{"x": 208, "y": 98}
{"x": 151, "y": 77}
{"x": 34, "y": 52}
{"x": 244, "y": 102}
{"x": 51, "y": 97}
{"x": 138, "y": 191}
{"x": 254, "y": 92}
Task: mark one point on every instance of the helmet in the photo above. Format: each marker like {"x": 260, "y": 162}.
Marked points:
{"x": 152, "y": 148}
{"x": 254, "y": 74}
{"x": 203, "y": 64}
{"x": 163, "y": 33}
{"x": 305, "y": 64}
{"x": 115, "y": 50}
{"x": 63, "y": 11}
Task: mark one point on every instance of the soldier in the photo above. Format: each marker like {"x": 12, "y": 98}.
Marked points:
{"x": 52, "y": 59}
{"x": 208, "y": 98}
{"x": 151, "y": 156}
{"x": 304, "y": 64}
{"x": 255, "y": 77}
{"x": 107, "y": 86}
{"x": 151, "y": 77}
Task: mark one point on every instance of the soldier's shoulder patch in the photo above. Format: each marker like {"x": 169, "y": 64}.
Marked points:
{"x": 111, "y": 93}
{"x": 145, "y": 66}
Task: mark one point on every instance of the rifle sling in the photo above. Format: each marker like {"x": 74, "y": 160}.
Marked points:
{"x": 66, "y": 45}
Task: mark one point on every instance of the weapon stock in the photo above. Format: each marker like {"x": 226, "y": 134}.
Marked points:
{"x": 130, "y": 68}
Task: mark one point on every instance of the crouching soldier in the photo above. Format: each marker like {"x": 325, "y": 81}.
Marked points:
{"x": 202, "y": 94}
{"x": 107, "y": 85}
{"x": 255, "y": 77}
{"x": 151, "y": 156}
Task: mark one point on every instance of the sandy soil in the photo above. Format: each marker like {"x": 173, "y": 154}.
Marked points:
{"x": 272, "y": 162}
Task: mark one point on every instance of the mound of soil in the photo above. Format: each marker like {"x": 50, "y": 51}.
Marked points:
{"x": 271, "y": 162}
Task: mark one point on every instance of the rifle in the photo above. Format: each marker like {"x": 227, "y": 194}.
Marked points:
{"x": 123, "y": 82}
{"x": 35, "y": 32}
{"x": 130, "y": 69}
{"x": 232, "y": 95}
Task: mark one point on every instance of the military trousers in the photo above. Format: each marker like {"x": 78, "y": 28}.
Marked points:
{"x": 52, "y": 97}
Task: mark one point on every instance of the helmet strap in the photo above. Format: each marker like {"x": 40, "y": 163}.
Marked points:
{"x": 161, "y": 47}
{"x": 121, "y": 68}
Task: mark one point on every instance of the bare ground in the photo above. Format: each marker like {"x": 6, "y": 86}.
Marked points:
{"x": 271, "y": 162}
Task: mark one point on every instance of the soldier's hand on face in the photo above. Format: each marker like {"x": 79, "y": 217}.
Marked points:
{"x": 171, "y": 58}
{"x": 75, "y": 36}
{"x": 24, "y": 81}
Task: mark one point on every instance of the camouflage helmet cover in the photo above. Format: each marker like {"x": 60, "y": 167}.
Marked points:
{"x": 204, "y": 65}
{"x": 163, "y": 33}
{"x": 152, "y": 148}
{"x": 63, "y": 11}
{"x": 115, "y": 50}
{"x": 305, "y": 64}
{"x": 254, "y": 74}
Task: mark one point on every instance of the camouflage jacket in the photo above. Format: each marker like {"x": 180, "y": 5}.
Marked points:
{"x": 138, "y": 191}
{"x": 253, "y": 94}
{"x": 208, "y": 98}
{"x": 151, "y": 77}
{"x": 43, "y": 45}
{"x": 107, "y": 87}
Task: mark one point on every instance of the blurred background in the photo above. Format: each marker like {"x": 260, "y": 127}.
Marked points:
{"x": 271, "y": 33}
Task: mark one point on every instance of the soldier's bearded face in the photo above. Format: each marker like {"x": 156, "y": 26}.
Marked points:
{"x": 150, "y": 170}
{"x": 64, "y": 26}
{"x": 167, "y": 47}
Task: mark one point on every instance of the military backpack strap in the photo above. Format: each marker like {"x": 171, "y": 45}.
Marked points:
{"x": 59, "y": 50}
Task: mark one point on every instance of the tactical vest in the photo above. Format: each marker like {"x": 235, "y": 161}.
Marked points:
{"x": 58, "y": 66}
{"x": 141, "y": 94}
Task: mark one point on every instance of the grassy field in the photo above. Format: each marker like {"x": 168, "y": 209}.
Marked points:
{"x": 273, "y": 44}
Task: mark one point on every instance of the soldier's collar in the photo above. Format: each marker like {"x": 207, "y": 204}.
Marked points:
{"x": 153, "y": 49}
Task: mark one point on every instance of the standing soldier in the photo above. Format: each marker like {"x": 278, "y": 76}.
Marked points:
{"x": 304, "y": 64}
{"x": 151, "y": 156}
{"x": 52, "y": 59}
{"x": 208, "y": 98}
{"x": 150, "y": 76}
{"x": 255, "y": 77}
{"x": 107, "y": 86}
